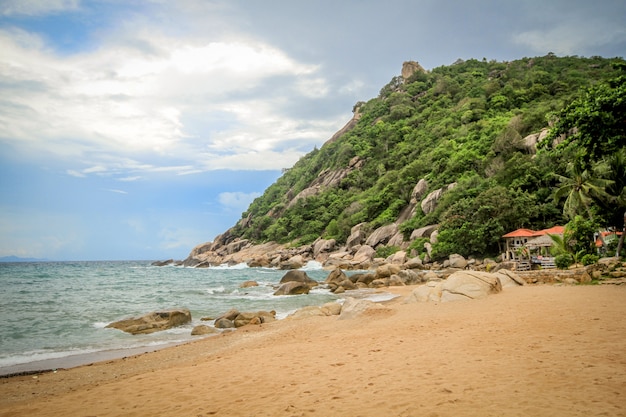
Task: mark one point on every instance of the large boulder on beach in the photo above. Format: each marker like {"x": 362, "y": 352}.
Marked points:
{"x": 509, "y": 278}
{"x": 464, "y": 285}
{"x": 328, "y": 309}
{"x": 353, "y": 308}
{"x": 153, "y": 322}
{"x": 461, "y": 285}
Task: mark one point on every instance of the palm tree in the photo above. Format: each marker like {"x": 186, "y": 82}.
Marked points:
{"x": 617, "y": 169}
{"x": 581, "y": 188}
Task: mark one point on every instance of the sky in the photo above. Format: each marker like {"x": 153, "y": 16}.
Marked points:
{"x": 138, "y": 129}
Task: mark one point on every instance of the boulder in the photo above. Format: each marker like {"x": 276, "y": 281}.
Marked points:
{"x": 399, "y": 258}
{"x": 429, "y": 248}
{"x": 364, "y": 278}
{"x": 162, "y": 263}
{"x": 382, "y": 235}
{"x": 418, "y": 191}
{"x": 509, "y": 278}
{"x": 224, "y": 323}
{"x": 414, "y": 263}
{"x": 298, "y": 276}
{"x": 396, "y": 281}
{"x": 379, "y": 283}
{"x": 336, "y": 276}
{"x": 410, "y": 277}
{"x": 425, "y": 231}
{"x": 397, "y": 240}
{"x": 457, "y": 261}
{"x": 353, "y": 308}
{"x": 431, "y": 276}
{"x": 248, "y": 284}
{"x": 431, "y": 291}
{"x": 328, "y": 309}
{"x": 355, "y": 239}
{"x": 429, "y": 204}
{"x": 364, "y": 254}
{"x": 153, "y": 322}
{"x": 293, "y": 288}
{"x": 257, "y": 317}
{"x": 387, "y": 270}
{"x": 203, "y": 329}
{"x": 464, "y": 285}
{"x": 322, "y": 246}
{"x": 294, "y": 262}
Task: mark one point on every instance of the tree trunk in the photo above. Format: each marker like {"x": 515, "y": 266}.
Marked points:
{"x": 620, "y": 244}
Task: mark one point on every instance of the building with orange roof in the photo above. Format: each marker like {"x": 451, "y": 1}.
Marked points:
{"x": 518, "y": 245}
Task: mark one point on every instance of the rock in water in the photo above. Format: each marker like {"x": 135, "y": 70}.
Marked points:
{"x": 153, "y": 322}
{"x": 293, "y": 288}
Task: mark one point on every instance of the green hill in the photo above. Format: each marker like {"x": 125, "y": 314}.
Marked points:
{"x": 468, "y": 130}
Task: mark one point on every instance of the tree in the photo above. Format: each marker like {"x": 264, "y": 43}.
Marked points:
{"x": 580, "y": 188}
{"x": 595, "y": 122}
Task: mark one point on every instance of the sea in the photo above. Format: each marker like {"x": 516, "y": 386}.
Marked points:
{"x": 54, "y": 314}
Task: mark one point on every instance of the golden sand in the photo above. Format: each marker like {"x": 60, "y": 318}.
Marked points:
{"x": 528, "y": 351}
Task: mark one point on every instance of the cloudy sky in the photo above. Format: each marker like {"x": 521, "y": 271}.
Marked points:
{"x": 137, "y": 129}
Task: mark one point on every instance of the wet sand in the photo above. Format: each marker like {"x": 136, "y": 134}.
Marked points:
{"x": 528, "y": 351}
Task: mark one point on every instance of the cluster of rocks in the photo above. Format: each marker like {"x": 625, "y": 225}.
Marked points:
{"x": 451, "y": 284}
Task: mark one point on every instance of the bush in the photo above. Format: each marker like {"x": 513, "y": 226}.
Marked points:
{"x": 386, "y": 251}
{"x": 563, "y": 261}
{"x": 589, "y": 259}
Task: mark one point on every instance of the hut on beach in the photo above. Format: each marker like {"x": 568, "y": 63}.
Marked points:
{"x": 527, "y": 247}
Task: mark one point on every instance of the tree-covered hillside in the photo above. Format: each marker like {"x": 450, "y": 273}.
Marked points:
{"x": 465, "y": 124}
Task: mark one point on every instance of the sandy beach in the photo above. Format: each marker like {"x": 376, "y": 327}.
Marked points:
{"x": 528, "y": 351}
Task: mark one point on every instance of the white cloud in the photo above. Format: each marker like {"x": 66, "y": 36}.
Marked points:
{"x": 74, "y": 173}
{"x": 237, "y": 201}
{"x": 36, "y": 7}
{"x": 121, "y": 103}
{"x": 130, "y": 179}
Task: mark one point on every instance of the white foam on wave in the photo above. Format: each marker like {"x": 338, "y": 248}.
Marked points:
{"x": 312, "y": 266}
{"x": 241, "y": 265}
{"x": 216, "y": 290}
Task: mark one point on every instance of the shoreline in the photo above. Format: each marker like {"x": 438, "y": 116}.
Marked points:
{"x": 90, "y": 358}
{"x": 534, "y": 350}
{"x": 80, "y": 359}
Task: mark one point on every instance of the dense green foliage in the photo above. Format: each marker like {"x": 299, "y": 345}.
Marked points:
{"x": 463, "y": 123}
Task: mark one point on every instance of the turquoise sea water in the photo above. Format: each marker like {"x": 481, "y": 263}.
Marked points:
{"x": 58, "y": 309}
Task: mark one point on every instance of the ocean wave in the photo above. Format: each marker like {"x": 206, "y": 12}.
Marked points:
{"x": 312, "y": 266}
{"x": 242, "y": 265}
{"x": 216, "y": 290}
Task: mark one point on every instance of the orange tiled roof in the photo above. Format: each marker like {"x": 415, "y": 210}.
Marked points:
{"x": 555, "y": 230}
{"x": 600, "y": 240}
{"x": 520, "y": 233}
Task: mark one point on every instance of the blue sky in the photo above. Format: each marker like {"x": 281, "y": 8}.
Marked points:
{"x": 137, "y": 129}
